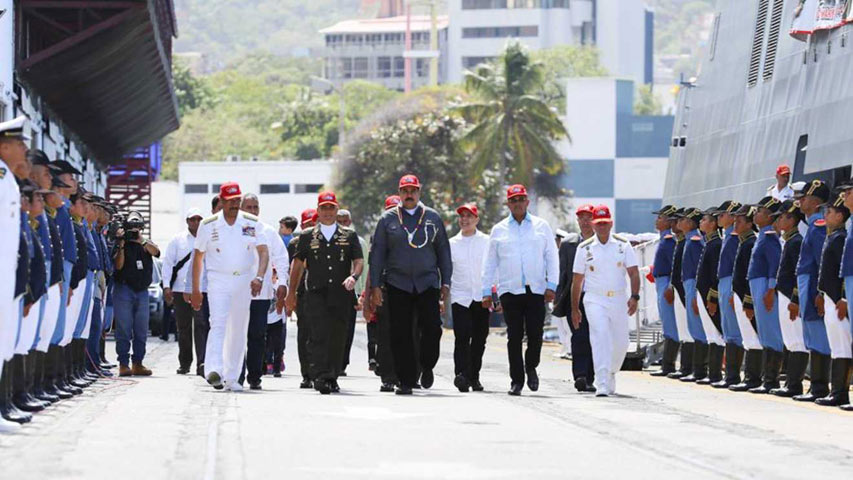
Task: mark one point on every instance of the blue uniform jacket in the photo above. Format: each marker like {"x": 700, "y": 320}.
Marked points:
{"x": 66, "y": 232}
{"x": 44, "y": 236}
{"x": 786, "y": 278}
{"x": 692, "y": 254}
{"x": 92, "y": 257}
{"x": 829, "y": 280}
{"x": 809, "y": 264}
{"x": 663, "y": 255}
{"x": 727, "y": 254}
{"x": 847, "y": 256}
{"x": 766, "y": 254}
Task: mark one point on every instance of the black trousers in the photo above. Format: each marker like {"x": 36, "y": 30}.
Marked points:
{"x": 372, "y": 340}
{"x": 350, "y": 337}
{"x": 581, "y": 349}
{"x": 257, "y": 339}
{"x": 328, "y": 312}
{"x": 303, "y": 337}
{"x": 471, "y": 328}
{"x": 192, "y": 327}
{"x": 403, "y": 306}
{"x": 275, "y": 345}
{"x": 523, "y": 313}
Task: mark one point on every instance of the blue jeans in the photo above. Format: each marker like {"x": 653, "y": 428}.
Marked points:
{"x": 131, "y": 319}
{"x": 93, "y": 343}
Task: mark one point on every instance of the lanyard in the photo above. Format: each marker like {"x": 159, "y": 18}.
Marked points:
{"x": 411, "y": 235}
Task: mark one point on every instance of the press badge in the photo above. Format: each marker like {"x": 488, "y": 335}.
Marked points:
{"x": 139, "y": 265}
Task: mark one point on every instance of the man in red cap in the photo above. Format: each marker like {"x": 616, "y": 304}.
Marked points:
{"x": 582, "y": 366}
{"x": 470, "y": 319}
{"x": 332, "y": 258}
{"x": 303, "y": 327}
{"x": 226, "y": 244}
{"x": 599, "y": 273}
{"x": 782, "y": 189}
{"x": 411, "y": 257}
{"x": 523, "y": 262}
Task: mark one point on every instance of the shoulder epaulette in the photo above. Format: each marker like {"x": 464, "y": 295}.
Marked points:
{"x": 209, "y": 219}
{"x": 620, "y": 238}
{"x": 668, "y": 236}
{"x": 696, "y": 238}
{"x": 249, "y": 216}
{"x": 820, "y": 222}
{"x": 586, "y": 242}
{"x": 770, "y": 232}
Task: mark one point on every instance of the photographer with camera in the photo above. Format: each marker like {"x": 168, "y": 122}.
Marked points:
{"x": 133, "y": 270}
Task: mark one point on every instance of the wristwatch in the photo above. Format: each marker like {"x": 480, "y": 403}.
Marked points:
{"x": 260, "y": 279}
{"x": 355, "y": 277}
{"x": 636, "y": 297}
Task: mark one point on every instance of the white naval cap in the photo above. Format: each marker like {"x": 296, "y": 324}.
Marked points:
{"x": 16, "y": 128}
{"x": 194, "y": 212}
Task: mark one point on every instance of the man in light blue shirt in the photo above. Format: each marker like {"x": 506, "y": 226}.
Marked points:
{"x": 522, "y": 261}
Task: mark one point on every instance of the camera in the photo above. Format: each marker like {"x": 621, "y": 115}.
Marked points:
{"x": 116, "y": 223}
{"x": 131, "y": 225}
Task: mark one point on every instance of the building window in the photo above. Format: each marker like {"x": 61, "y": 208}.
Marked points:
{"x": 374, "y": 39}
{"x": 360, "y": 67}
{"x": 500, "y": 32}
{"x": 307, "y": 188}
{"x": 422, "y": 67}
{"x": 346, "y": 67}
{"x": 383, "y": 67}
{"x": 214, "y": 188}
{"x": 513, "y": 4}
{"x": 393, "y": 38}
{"x": 269, "y": 188}
{"x": 757, "y": 43}
{"x": 471, "y": 62}
{"x": 334, "y": 40}
{"x": 195, "y": 188}
{"x": 354, "y": 40}
{"x": 399, "y": 67}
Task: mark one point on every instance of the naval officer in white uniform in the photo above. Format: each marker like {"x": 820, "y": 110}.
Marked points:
{"x": 599, "y": 270}
{"x": 225, "y": 244}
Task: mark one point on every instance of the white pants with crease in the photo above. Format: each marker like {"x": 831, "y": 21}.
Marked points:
{"x": 681, "y": 319}
{"x": 229, "y": 297}
{"x": 747, "y": 331}
{"x": 792, "y": 330}
{"x": 29, "y": 330}
{"x": 837, "y": 331}
{"x": 88, "y": 326}
{"x": 608, "y": 335}
{"x": 73, "y": 313}
{"x": 711, "y": 333}
{"x": 51, "y": 316}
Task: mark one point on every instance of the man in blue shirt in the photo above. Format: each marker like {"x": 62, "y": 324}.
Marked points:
{"x": 661, "y": 271}
{"x": 725, "y": 270}
{"x": 694, "y": 244}
{"x": 523, "y": 262}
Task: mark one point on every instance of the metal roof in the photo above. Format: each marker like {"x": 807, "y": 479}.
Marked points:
{"x": 420, "y": 23}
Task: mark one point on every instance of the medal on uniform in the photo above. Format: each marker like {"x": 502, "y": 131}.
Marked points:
{"x": 618, "y": 264}
{"x": 592, "y": 268}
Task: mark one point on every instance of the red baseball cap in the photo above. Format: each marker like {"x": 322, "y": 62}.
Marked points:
{"x": 468, "y": 207}
{"x": 392, "y": 201}
{"x": 409, "y": 181}
{"x": 230, "y": 190}
{"x": 327, "y": 198}
{"x": 783, "y": 170}
{"x": 516, "y": 191}
{"x": 586, "y": 208}
{"x": 308, "y": 216}
{"x": 601, "y": 214}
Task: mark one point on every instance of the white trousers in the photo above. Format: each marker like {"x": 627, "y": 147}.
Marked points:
{"x": 681, "y": 318}
{"x": 91, "y": 308}
{"x": 229, "y": 297}
{"x": 72, "y": 313}
{"x": 792, "y": 330}
{"x": 837, "y": 331}
{"x": 608, "y": 335}
{"x": 750, "y": 336}
{"x": 29, "y": 330}
{"x": 9, "y": 328}
{"x": 51, "y": 316}
{"x": 564, "y": 333}
{"x": 711, "y": 333}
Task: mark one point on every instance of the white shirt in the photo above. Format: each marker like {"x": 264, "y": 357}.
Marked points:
{"x": 467, "y": 254}
{"x": 604, "y": 265}
{"x": 279, "y": 260}
{"x": 328, "y": 230}
{"x": 521, "y": 255}
{"x": 230, "y": 249}
{"x": 180, "y": 246}
{"x": 10, "y": 230}
{"x": 781, "y": 195}
{"x": 188, "y": 287}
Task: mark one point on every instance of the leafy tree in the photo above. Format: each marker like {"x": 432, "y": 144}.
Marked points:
{"x": 513, "y": 129}
{"x": 192, "y": 92}
{"x": 562, "y": 62}
{"x": 647, "y": 103}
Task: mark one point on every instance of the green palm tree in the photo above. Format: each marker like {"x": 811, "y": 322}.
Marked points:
{"x": 513, "y": 128}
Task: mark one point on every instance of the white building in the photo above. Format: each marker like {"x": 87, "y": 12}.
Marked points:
{"x": 621, "y": 29}
{"x": 616, "y": 158}
{"x": 283, "y": 187}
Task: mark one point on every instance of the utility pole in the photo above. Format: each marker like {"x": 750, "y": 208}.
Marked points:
{"x": 432, "y": 53}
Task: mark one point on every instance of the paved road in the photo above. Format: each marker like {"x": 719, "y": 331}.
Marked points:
{"x": 174, "y": 427}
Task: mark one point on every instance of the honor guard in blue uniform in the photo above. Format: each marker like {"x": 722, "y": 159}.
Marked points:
{"x": 831, "y": 301}
{"x": 728, "y": 318}
{"x": 707, "y": 288}
{"x": 677, "y": 288}
{"x": 787, "y": 218}
{"x": 812, "y": 196}
{"x": 694, "y": 244}
{"x": 743, "y": 300}
{"x": 763, "y": 267}
{"x": 847, "y": 258}
{"x": 661, "y": 271}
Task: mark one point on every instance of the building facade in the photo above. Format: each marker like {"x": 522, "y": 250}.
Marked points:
{"x": 372, "y": 50}
{"x": 283, "y": 187}
{"x": 615, "y": 158}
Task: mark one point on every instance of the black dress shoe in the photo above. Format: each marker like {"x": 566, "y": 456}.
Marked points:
{"x": 688, "y": 379}
{"x": 333, "y": 384}
{"x": 46, "y": 397}
{"x": 461, "y": 383}
{"x": 677, "y": 375}
{"x": 343, "y": 373}
{"x": 199, "y": 370}
{"x": 403, "y": 390}
{"x": 580, "y": 384}
{"x": 476, "y": 386}
{"x": 276, "y": 374}
{"x": 847, "y": 408}
{"x": 52, "y": 389}
{"x": 386, "y": 387}
{"x": 255, "y": 385}
{"x": 24, "y": 404}
{"x": 107, "y": 365}
{"x": 831, "y": 400}
{"x": 515, "y": 389}
{"x": 661, "y": 373}
{"x": 764, "y": 388}
{"x": 532, "y": 380}
{"x": 12, "y": 414}
{"x": 323, "y": 386}
{"x": 306, "y": 383}
{"x": 183, "y": 370}
{"x": 371, "y": 365}
{"x": 427, "y": 379}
